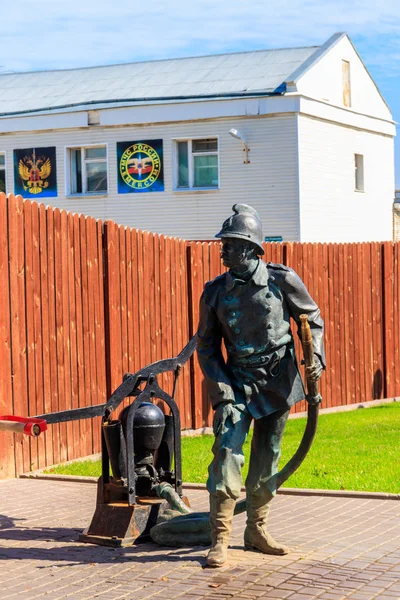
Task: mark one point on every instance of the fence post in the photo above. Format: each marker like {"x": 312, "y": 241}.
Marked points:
{"x": 7, "y": 463}
{"x": 389, "y": 319}
{"x": 112, "y": 316}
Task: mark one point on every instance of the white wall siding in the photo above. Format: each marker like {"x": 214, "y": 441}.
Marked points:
{"x": 269, "y": 182}
{"x": 331, "y": 209}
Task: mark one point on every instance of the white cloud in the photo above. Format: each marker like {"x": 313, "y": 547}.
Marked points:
{"x": 59, "y": 34}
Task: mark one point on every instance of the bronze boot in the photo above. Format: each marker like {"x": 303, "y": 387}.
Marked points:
{"x": 221, "y": 515}
{"x": 256, "y": 536}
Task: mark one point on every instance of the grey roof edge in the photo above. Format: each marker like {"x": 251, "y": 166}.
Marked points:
{"x": 92, "y": 104}
{"x": 315, "y": 57}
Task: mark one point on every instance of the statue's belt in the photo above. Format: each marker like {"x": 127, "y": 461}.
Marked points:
{"x": 270, "y": 360}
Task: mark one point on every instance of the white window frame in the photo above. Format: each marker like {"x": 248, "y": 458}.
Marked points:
{"x": 189, "y": 140}
{"x": 67, "y": 163}
{"x": 359, "y": 179}
{"x": 4, "y": 168}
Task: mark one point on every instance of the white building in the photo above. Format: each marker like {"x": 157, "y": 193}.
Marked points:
{"x": 319, "y": 136}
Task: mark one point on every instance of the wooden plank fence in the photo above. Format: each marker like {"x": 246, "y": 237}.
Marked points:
{"x": 83, "y": 302}
{"x": 52, "y": 349}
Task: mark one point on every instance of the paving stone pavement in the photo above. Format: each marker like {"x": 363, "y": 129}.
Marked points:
{"x": 342, "y": 548}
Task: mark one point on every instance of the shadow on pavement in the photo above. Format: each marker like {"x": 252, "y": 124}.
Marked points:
{"x": 11, "y": 530}
{"x": 90, "y": 554}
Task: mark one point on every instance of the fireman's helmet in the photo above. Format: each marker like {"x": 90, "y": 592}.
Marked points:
{"x": 244, "y": 224}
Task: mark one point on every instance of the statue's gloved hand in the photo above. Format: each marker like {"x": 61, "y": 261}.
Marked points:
{"x": 223, "y": 412}
{"x": 315, "y": 372}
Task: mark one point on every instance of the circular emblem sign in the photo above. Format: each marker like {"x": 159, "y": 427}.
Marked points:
{"x": 140, "y": 166}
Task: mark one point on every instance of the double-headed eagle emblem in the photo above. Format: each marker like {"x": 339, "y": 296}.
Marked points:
{"x": 34, "y": 171}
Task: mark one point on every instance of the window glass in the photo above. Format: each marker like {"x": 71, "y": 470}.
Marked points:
{"x": 204, "y": 146}
{"x": 2, "y": 173}
{"x": 76, "y": 171}
{"x": 95, "y": 152}
{"x": 96, "y": 177}
{"x": 197, "y": 163}
{"x": 359, "y": 172}
{"x": 183, "y": 165}
{"x": 88, "y": 170}
{"x": 205, "y": 171}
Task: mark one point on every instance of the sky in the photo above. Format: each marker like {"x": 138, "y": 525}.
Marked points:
{"x": 59, "y": 34}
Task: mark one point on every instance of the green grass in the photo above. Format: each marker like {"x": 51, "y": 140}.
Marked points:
{"x": 356, "y": 450}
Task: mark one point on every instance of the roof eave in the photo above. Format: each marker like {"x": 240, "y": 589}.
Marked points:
{"x": 100, "y": 104}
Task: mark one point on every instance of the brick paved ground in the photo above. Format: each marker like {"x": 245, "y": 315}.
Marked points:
{"x": 342, "y": 548}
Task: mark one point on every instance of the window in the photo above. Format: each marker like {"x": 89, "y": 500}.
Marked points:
{"x": 346, "y": 83}
{"x": 2, "y": 172}
{"x": 197, "y": 164}
{"x": 359, "y": 172}
{"x": 88, "y": 170}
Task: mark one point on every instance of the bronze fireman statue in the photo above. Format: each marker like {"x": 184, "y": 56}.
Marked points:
{"x": 249, "y": 309}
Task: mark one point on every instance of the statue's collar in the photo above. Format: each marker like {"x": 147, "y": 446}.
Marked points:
{"x": 259, "y": 277}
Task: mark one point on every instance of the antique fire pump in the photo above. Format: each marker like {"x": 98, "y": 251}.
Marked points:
{"x": 142, "y": 446}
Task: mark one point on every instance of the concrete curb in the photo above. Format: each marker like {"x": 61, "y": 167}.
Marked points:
{"x": 201, "y": 486}
{"x": 55, "y": 477}
{"x": 311, "y": 492}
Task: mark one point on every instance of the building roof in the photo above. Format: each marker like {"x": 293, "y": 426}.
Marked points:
{"x": 261, "y": 72}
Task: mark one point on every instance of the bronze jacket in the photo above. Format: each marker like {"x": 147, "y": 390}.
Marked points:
{"x": 253, "y": 320}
